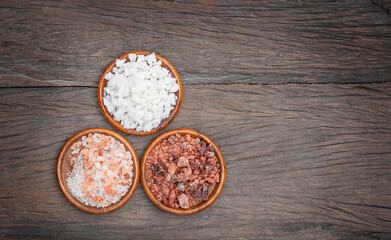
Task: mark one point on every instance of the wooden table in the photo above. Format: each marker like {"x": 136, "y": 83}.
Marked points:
{"x": 297, "y": 94}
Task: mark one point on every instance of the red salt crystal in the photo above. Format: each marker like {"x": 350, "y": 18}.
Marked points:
{"x": 183, "y": 201}
{"x": 204, "y": 192}
{"x": 148, "y": 174}
{"x": 181, "y": 187}
{"x": 182, "y": 177}
{"x": 172, "y": 168}
{"x": 127, "y": 176}
{"x": 168, "y": 177}
{"x": 192, "y": 177}
{"x": 188, "y": 172}
{"x": 195, "y": 141}
{"x": 217, "y": 177}
{"x": 183, "y": 153}
{"x": 157, "y": 168}
{"x": 188, "y": 138}
{"x": 182, "y": 162}
{"x": 209, "y": 154}
{"x": 210, "y": 180}
{"x": 166, "y": 191}
{"x": 208, "y": 168}
{"x": 171, "y": 141}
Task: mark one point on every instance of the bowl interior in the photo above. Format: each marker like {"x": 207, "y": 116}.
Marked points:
{"x": 165, "y": 122}
{"x": 216, "y": 191}
{"x": 64, "y": 166}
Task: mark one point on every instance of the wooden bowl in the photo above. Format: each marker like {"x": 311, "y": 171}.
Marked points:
{"x": 165, "y": 122}
{"x": 64, "y": 166}
{"x": 216, "y": 191}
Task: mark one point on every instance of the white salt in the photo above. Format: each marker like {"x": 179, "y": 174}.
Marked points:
{"x": 140, "y": 93}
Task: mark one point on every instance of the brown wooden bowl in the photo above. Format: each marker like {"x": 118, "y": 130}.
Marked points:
{"x": 216, "y": 191}
{"x": 64, "y": 166}
{"x": 165, "y": 122}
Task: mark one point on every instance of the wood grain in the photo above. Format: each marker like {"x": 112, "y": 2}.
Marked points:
{"x": 385, "y": 4}
{"x": 69, "y": 43}
{"x": 303, "y": 161}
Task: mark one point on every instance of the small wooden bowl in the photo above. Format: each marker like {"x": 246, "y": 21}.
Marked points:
{"x": 64, "y": 166}
{"x": 216, "y": 191}
{"x": 165, "y": 122}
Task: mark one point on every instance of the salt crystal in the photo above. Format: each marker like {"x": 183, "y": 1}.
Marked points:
{"x": 81, "y": 172}
{"x": 132, "y": 57}
{"x": 140, "y": 93}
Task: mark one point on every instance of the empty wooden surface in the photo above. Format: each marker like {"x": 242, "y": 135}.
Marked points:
{"x": 69, "y": 43}
{"x": 309, "y": 160}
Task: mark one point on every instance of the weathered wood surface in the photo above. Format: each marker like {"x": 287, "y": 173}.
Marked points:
{"x": 69, "y": 43}
{"x": 385, "y": 4}
{"x": 303, "y": 161}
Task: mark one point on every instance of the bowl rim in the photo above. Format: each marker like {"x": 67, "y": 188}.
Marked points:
{"x": 218, "y": 189}
{"x": 116, "y": 124}
{"x": 64, "y": 189}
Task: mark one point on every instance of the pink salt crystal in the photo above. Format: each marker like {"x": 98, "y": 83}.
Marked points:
{"x": 181, "y": 187}
{"x": 210, "y": 180}
{"x": 89, "y": 180}
{"x": 195, "y": 141}
{"x": 73, "y": 146}
{"x": 183, "y": 201}
{"x": 188, "y": 138}
{"x": 182, "y": 162}
{"x": 168, "y": 177}
{"x": 172, "y": 168}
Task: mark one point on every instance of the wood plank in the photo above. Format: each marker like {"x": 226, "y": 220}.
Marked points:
{"x": 385, "y": 4}
{"x": 69, "y": 43}
{"x": 303, "y": 161}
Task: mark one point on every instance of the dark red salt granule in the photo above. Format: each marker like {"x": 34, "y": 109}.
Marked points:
{"x": 182, "y": 171}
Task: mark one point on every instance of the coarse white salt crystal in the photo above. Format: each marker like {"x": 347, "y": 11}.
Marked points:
{"x": 140, "y": 93}
{"x": 132, "y": 57}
